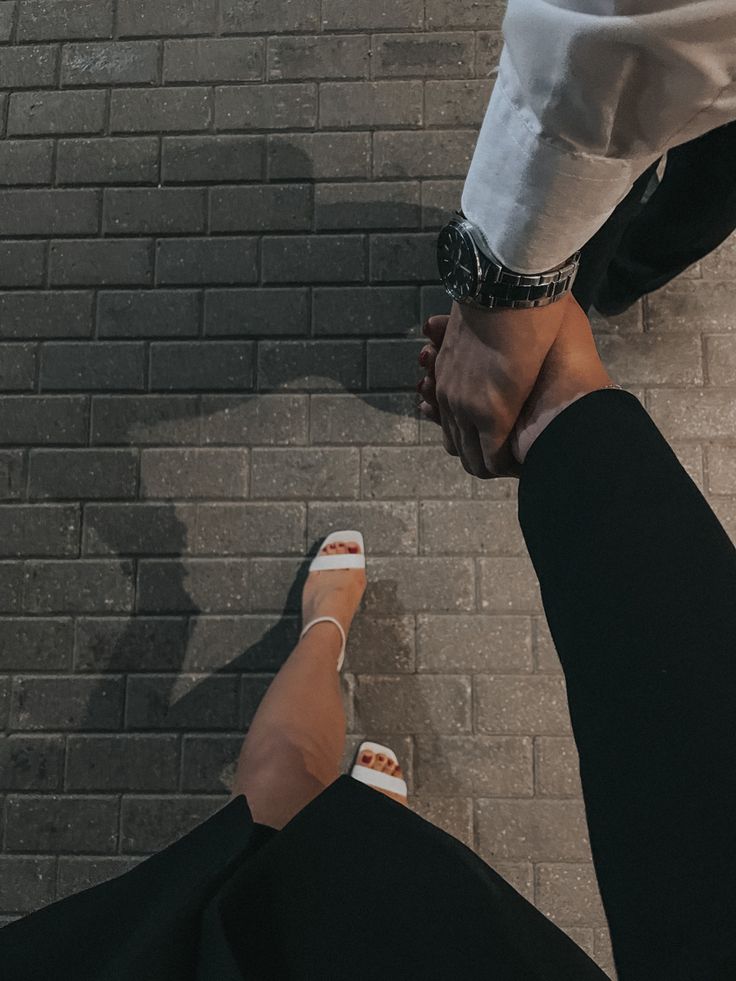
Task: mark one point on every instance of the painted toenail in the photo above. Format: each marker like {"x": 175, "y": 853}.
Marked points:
{"x": 366, "y": 758}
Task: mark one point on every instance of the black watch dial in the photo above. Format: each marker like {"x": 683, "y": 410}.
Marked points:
{"x": 457, "y": 260}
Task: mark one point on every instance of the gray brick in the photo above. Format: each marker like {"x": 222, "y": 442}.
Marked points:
{"x": 255, "y": 313}
{"x": 150, "y": 824}
{"x": 401, "y": 472}
{"x": 318, "y": 57}
{"x": 720, "y": 264}
{"x": 478, "y": 766}
{"x": 67, "y": 703}
{"x": 138, "y": 17}
{"x": 79, "y": 587}
{"x": 45, "y": 420}
{"x": 39, "y": 212}
{"x": 152, "y": 419}
{"x": 124, "y": 644}
{"x": 60, "y": 19}
{"x": 154, "y": 211}
{"x": 253, "y": 687}
{"x": 11, "y": 587}
{"x": 421, "y": 585}
{"x": 457, "y": 103}
{"x": 122, "y": 763}
{"x": 28, "y": 66}
{"x": 439, "y": 198}
{"x": 31, "y": 762}
{"x": 413, "y": 704}
{"x": 532, "y": 830}
{"x": 263, "y": 16}
{"x": 213, "y": 159}
{"x": 192, "y": 586}
{"x": 305, "y": 365}
{"x": 196, "y": 366}
{"x": 150, "y": 313}
{"x": 12, "y": 475}
{"x": 369, "y": 14}
{"x": 370, "y": 311}
{"x": 160, "y": 110}
{"x": 77, "y": 874}
{"x": 21, "y": 264}
{"x": 26, "y": 884}
{"x": 110, "y": 63}
{"x": 56, "y": 112}
{"x": 720, "y": 359}
{"x": 603, "y": 953}
{"x": 137, "y": 529}
{"x": 35, "y": 645}
{"x": 394, "y": 364}
{"x": 278, "y": 106}
{"x": 367, "y": 419}
{"x": 279, "y": 420}
{"x": 208, "y": 474}
{"x": 45, "y": 314}
{"x": 18, "y": 367}
{"x": 488, "y": 49}
{"x": 652, "y": 358}
{"x": 474, "y": 644}
{"x": 693, "y": 414}
{"x": 26, "y": 162}
{"x": 304, "y": 473}
{"x": 313, "y": 259}
{"x": 245, "y": 643}
{"x": 381, "y": 645}
{"x": 346, "y": 105}
{"x": 684, "y": 305}
{"x": 392, "y": 204}
{"x": 109, "y": 160}
{"x": 434, "y": 153}
{"x": 568, "y": 893}
{"x": 207, "y": 261}
{"x": 404, "y": 257}
{"x": 182, "y": 702}
{"x": 4, "y": 700}
{"x": 95, "y": 366}
{"x": 319, "y": 156}
{"x": 272, "y": 585}
{"x": 42, "y": 530}
{"x": 7, "y": 16}
{"x": 531, "y": 704}
{"x": 454, "y": 13}
{"x": 250, "y": 529}
{"x": 98, "y": 262}
{"x": 388, "y": 528}
{"x": 216, "y": 60}
{"x": 470, "y": 528}
{"x": 556, "y": 766}
{"x": 52, "y": 824}
{"x": 426, "y": 55}
{"x": 721, "y": 468}
{"x": 208, "y": 763}
{"x": 266, "y": 208}
{"x": 509, "y": 585}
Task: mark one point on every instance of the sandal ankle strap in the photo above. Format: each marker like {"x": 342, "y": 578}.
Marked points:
{"x": 339, "y": 627}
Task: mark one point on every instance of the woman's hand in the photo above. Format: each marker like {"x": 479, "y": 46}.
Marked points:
{"x": 484, "y": 364}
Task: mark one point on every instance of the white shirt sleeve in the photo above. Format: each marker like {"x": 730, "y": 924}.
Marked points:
{"x": 588, "y": 94}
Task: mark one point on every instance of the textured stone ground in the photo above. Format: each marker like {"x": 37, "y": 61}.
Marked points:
{"x": 217, "y": 228}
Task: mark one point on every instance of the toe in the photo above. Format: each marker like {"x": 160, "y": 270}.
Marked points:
{"x": 367, "y": 758}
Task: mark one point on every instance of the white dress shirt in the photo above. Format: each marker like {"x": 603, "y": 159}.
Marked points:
{"x": 588, "y": 94}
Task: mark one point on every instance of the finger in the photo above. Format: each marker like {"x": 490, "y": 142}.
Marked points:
{"x": 449, "y": 430}
{"x": 429, "y": 412}
{"x": 499, "y": 460}
{"x": 427, "y": 388}
{"x": 427, "y": 357}
{"x": 471, "y": 453}
{"x": 435, "y": 328}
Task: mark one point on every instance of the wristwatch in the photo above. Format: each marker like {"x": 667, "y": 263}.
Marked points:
{"x": 472, "y": 274}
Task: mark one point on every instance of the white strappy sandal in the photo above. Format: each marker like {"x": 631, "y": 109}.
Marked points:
{"x": 374, "y": 778}
{"x": 348, "y": 560}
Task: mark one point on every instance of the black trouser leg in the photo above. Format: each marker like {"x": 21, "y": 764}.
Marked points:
{"x": 638, "y": 580}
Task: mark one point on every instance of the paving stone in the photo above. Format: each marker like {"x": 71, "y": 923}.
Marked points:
{"x": 136, "y": 17}
{"x": 530, "y": 704}
{"x": 88, "y": 474}
{"x": 138, "y": 529}
{"x": 23, "y": 265}
{"x": 192, "y": 474}
{"x": 246, "y": 643}
{"x": 470, "y": 528}
{"x": 409, "y": 472}
{"x": 151, "y": 419}
{"x": 387, "y": 528}
{"x": 556, "y": 767}
{"x": 272, "y": 420}
{"x": 268, "y": 107}
{"x": 26, "y": 883}
{"x": 509, "y": 585}
{"x": 46, "y": 314}
{"x": 474, "y": 644}
{"x": 41, "y": 113}
{"x": 149, "y": 313}
{"x": 476, "y": 766}
{"x": 347, "y": 105}
{"x": 373, "y": 311}
{"x": 62, "y": 703}
{"x": 193, "y": 586}
{"x": 310, "y": 473}
{"x": 262, "y": 16}
{"x": 36, "y": 644}
{"x": 31, "y": 763}
{"x": 26, "y": 162}
{"x": 409, "y": 703}
{"x": 453, "y": 814}
{"x": 212, "y": 159}
{"x": 122, "y": 763}
{"x": 367, "y": 14}
{"x": 350, "y": 419}
{"x": 78, "y": 873}
{"x": 150, "y": 824}
{"x": 39, "y": 530}
{"x": 110, "y": 63}
{"x": 81, "y": 586}
{"x": 250, "y": 529}
{"x": 431, "y": 153}
{"x": 381, "y": 645}
{"x": 568, "y": 893}
{"x": 425, "y": 55}
{"x": 209, "y": 762}
{"x": 182, "y": 702}
{"x": 62, "y": 19}
{"x": 12, "y": 474}
{"x": 319, "y": 156}
{"x": 214, "y": 60}
{"x": 257, "y": 313}
{"x": 108, "y": 160}
{"x": 130, "y": 644}
{"x": 531, "y": 830}
{"x": 453, "y": 14}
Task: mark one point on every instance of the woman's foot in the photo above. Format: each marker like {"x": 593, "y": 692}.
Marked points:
{"x": 333, "y": 592}
{"x": 382, "y": 763}
{"x": 571, "y": 369}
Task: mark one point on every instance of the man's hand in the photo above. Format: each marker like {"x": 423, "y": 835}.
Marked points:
{"x": 485, "y": 364}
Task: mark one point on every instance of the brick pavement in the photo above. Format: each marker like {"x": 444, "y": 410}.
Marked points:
{"x": 217, "y": 227}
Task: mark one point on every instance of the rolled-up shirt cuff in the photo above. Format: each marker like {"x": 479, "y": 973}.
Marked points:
{"x": 535, "y": 201}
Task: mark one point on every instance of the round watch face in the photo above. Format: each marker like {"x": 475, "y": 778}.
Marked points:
{"x": 457, "y": 260}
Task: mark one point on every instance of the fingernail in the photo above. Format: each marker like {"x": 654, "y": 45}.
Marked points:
{"x": 423, "y": 358}
{"x": 425, "y": 326}
{"x": 419, "y": 385}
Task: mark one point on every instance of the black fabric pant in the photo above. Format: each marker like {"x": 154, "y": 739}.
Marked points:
{"x": 638, "y": 581}
{"x": 642, "y": 246}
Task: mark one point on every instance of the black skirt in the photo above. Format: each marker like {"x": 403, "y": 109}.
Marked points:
{"x": 356, "y": 886}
